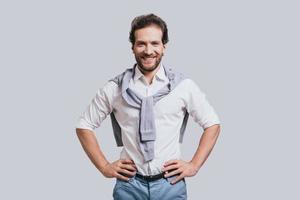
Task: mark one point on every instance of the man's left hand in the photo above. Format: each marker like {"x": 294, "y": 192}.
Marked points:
{"x": 180, "y": 167}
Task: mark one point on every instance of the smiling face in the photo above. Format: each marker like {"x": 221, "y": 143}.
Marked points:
{"x": 148, "y": 48}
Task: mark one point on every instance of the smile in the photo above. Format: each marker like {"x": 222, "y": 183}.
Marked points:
{"x": 148, "y": 60}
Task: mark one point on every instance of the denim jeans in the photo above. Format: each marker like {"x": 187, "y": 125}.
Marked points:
{"x": 139, "y": 189}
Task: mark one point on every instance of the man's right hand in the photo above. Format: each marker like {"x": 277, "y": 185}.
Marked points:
{"x": 120, "y": 168}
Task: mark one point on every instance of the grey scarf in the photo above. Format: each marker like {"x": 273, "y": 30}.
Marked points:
{"x": 147, "y": 130}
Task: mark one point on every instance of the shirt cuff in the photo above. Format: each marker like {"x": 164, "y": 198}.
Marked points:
{"x": 209, "y": 124}
{"x": 82, "y": 124}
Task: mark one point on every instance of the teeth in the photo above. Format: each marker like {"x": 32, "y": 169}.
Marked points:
{"x": 148, "y": 60}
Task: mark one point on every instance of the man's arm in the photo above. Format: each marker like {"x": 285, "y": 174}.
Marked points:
{"x": 100, "y": 107}
{"x": 206, "y": 144}
{"x": 187, "y": 169}
{"x": 91, "y": 147}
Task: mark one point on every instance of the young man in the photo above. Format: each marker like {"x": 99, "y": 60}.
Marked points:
{"x": 149, "y": 105}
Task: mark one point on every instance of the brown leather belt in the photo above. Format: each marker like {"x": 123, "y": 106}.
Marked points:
{"x": 150, "y": 178}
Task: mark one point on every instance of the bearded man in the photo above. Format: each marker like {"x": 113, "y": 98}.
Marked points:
{"x": 149, "y": 105}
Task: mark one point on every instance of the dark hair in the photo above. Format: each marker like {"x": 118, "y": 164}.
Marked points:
{"x": 143, "y": 21}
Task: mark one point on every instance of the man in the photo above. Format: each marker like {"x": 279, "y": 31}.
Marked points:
{"x": 149, "y": 105}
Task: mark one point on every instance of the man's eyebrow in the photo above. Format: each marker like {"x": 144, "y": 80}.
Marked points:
{"x": 154, "y": 41}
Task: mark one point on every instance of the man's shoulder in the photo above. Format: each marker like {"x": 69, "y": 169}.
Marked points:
{"x": 118, "y": 78}
{"x": 188, "y": 86}
{"x": 188, "y": 82}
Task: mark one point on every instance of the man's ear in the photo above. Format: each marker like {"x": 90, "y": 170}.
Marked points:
{"x": 164, "y": 49}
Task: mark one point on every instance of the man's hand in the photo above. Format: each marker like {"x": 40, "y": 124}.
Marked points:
{"x": 119, "y": 169}
{"x": 180, "y": 167}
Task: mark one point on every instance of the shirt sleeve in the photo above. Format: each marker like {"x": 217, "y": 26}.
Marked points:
{"x": 199, "y": 108}
{"x": 100, "y": 106}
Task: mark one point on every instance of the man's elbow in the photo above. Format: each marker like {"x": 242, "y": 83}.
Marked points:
{"x": 218, "y": 128}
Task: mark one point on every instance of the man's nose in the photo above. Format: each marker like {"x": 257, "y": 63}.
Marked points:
{"x": 148, "y": 50}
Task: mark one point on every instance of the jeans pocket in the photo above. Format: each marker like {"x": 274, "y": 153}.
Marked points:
{"x": 172, "y": 178}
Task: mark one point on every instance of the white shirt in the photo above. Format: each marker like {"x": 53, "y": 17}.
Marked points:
{"x": 169, "y": 113}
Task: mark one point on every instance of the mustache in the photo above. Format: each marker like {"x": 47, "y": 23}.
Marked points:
{"x": 147, "y": 56}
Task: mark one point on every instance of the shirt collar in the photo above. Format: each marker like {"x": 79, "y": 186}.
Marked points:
{"x": 160, "y": 74}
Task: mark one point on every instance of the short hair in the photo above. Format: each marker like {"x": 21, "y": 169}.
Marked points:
{"x": 143, "y": 21}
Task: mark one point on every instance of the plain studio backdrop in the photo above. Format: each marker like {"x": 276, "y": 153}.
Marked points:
{"x": 54, "y": 55}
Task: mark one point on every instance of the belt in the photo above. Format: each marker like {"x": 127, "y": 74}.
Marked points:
{"x": 150, "y": 178}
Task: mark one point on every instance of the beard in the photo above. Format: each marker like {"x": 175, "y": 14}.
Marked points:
{"x": 151, "y": 68}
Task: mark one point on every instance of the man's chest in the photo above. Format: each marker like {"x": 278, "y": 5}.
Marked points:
{"x": 170, "y": 107}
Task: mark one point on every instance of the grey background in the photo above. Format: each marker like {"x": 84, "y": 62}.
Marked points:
{"x": 244, "y": 55}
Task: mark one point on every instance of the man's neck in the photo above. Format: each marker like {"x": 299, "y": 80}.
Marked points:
{"x": 150, "y": 75}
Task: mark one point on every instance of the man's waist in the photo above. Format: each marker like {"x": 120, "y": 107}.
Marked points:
{"x": 153, "y": 167}
{"x": 150, "y": 177}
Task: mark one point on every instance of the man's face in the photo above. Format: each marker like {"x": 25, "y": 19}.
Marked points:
{"x": 148, "y": 48}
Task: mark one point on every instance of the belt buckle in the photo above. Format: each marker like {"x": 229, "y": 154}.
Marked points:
{"x": 150, "y": 177}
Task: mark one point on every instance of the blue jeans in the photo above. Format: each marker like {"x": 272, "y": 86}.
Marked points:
{"x": 139, "y": 189}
